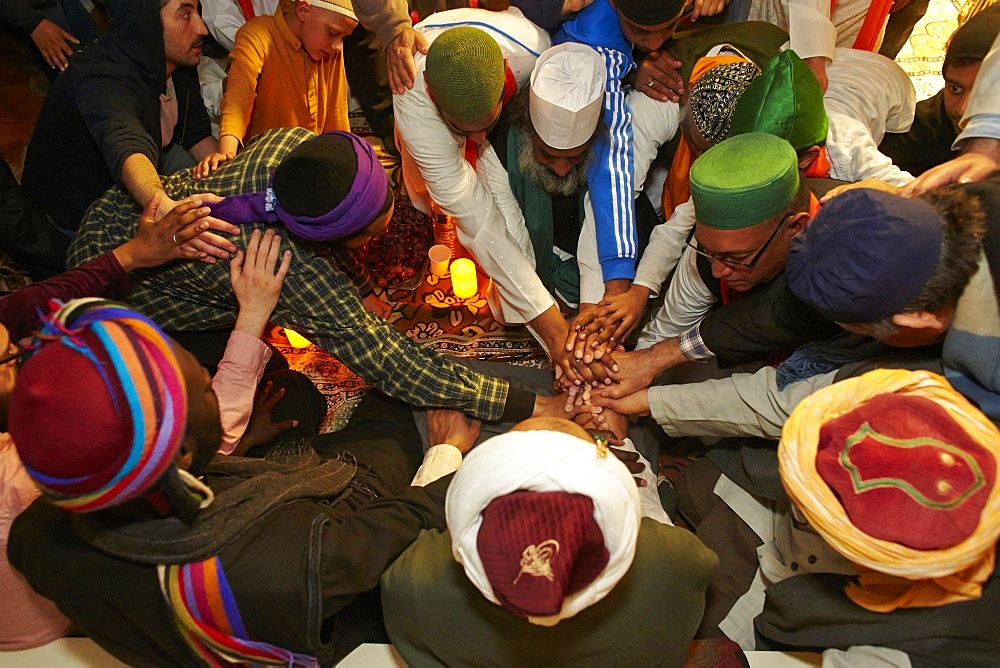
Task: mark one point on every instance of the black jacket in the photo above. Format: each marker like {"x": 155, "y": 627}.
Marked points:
{"x": 766, "y": 320}
{"x": 105, "y": 109}
{"x": 24, "y": 15}
{"x": 305, "y": 576}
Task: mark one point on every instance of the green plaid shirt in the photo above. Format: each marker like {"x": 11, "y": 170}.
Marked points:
{"x": 317, "y": 299}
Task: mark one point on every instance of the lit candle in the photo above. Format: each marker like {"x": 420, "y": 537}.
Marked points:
{"x": 463, "y": 278}
{"x": 296, "y": 340}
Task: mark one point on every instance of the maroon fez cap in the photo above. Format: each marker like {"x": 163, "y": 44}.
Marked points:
{"x": 85, "y": 443}
{"x": 906, "y": 472}
{"x": 538, "y": 548}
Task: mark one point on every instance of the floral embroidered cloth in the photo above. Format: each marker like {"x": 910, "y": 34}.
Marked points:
{"x": 430, "y": 314}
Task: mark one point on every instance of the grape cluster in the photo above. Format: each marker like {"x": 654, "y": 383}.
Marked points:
{"x": 396, "y": 256}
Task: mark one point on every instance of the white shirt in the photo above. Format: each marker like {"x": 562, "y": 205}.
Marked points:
{"x": 224, "y": 17}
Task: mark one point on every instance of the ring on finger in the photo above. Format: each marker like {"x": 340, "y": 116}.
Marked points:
{"x": 649, "y": 84}
{"x": 174, "y": 237}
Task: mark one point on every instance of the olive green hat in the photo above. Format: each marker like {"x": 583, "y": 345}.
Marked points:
{"x": 744, "y": 181}
{"x": 786, "y": 101}
{"x": 465, "y": 73}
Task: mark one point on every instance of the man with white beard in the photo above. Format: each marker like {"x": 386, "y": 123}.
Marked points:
{"x": 536, "y": 167}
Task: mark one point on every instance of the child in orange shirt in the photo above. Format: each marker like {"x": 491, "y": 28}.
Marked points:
{"x": 286, "y": 70}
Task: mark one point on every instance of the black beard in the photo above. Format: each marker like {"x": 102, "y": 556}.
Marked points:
{"x": 545, "y": 178}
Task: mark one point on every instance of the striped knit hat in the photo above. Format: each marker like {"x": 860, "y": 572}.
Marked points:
{"x": 99, "y": 410}
{"x": 465, "y": 73}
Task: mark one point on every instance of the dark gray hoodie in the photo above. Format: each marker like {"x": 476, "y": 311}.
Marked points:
{"x": 105, "y": 108}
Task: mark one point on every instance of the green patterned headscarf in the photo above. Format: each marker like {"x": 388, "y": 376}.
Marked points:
{"x": 465, "y": 73}
{"x": 786, "y": 101}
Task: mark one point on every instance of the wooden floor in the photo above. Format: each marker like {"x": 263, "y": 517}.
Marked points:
{"x": 22, "y": 89}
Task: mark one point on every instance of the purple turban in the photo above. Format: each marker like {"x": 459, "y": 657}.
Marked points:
{"x": 321, "y": 167}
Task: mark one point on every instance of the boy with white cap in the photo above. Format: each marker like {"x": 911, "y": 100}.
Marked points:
{"x": 287, "y": 71}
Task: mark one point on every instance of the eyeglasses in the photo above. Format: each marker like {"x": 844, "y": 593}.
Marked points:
{"x": 712, "y": 257}
{"x": 14, "y": 354}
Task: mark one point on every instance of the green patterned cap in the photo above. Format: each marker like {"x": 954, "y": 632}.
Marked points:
{"x": 786, "y": 101}
{"x": 465, "y": 73}
{"x": 744, "y": 181}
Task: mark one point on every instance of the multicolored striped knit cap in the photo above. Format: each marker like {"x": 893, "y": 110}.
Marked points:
{"x": 465, "y": 73}
{"x": 100, "y": 408}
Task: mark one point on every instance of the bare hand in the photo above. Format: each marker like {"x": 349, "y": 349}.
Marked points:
{"x": 591, "y": 340}
{"x": 453, "y": 428}
{"x": 209, "y": 243}
{"x": 157, "y": 242}
{"x": 871, "y": 184}
{"x": 636, "y": 403}
{"x": 254, "y": 281}
{"x": 399, "y": 55}
{"x": 707, "y": 8}
{"x": 630, "y": 458}
{"x": 595, "y": 365}
{"x": 659, "y": 77}
{"x": 54, "y": 44}
{"x": 574, "y": 6}
{"x": 966, "y": 168}
{"x": 818, "y": 66}
{"x": 376, "y": 306}
{"x": 634, "y": 373}
{"x": 209, "y": 164}
{"x": 262, "y": 429}
{"x": 561, "y": 406}
{"x": 615, "y": 422}
{"x": 623, "y": 310}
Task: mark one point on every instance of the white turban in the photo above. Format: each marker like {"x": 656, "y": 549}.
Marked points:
{"x": 545, "y": 461}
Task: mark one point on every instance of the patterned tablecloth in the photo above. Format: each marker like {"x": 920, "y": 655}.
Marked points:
{"x": 431, "y": 315}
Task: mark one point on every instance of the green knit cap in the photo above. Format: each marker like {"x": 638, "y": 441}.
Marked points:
{"x": 744, "y": 181}
{"x": 465, "y": 73}
{"x": 786, "y": 101}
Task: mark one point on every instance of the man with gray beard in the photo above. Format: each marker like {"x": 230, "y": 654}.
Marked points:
{"x": 536, "y": 165}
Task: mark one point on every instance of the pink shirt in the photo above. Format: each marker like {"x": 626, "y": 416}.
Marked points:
{"x": 235, "y": 383}
{"x": 26, "y": 619}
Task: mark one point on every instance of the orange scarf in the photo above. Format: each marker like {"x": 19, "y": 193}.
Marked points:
{"x": 872, "y": 28}
{"x": 246, "y": 6}
{"x": 820, "y": 167}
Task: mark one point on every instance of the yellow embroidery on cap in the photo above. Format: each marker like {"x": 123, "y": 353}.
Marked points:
{"x": 536, "y": 560}
{"x": 602, "y": 446}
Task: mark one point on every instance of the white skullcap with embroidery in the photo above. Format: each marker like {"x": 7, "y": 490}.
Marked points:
{"x": 344, "y": 7}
